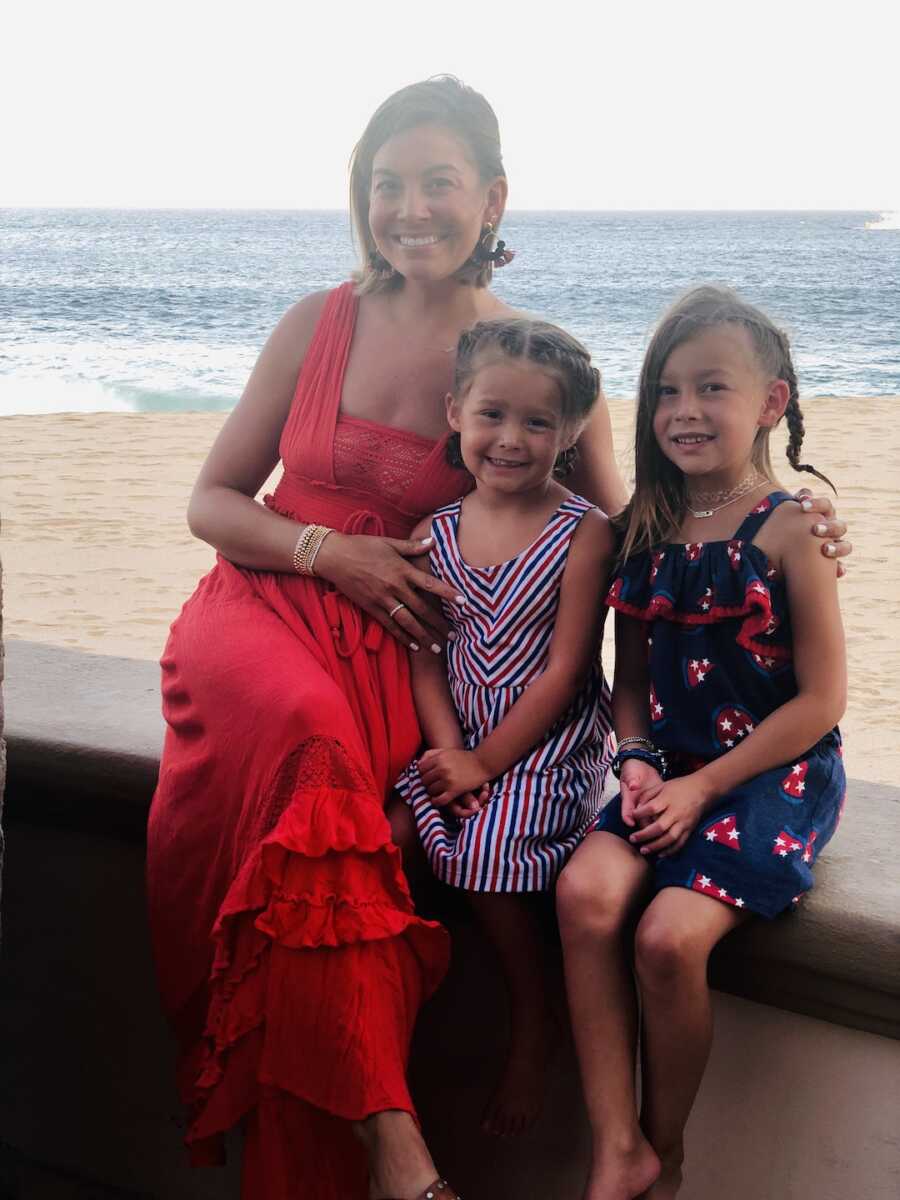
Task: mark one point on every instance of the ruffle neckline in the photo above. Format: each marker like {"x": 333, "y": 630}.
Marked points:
{"x": 703, "y": 583}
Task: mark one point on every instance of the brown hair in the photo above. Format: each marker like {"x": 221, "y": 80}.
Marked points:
{"x": 659, "y": 504}
{"x": 538, "y": 342}
{"x": 443, "y": 100}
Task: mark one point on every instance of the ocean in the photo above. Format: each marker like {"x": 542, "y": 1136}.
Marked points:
{"x": 154, "y": 311}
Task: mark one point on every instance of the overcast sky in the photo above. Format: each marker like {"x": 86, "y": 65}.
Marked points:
{"x": 258, "y": 104}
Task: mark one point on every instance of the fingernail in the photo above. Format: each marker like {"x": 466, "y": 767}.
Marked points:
{"x": 435, "y": 647}
{"x": 413, "y": 646}
{"x": 821, "y": 530}
{"x": 806, "y": 505}
{"x": 451, "y": 636}
{"x": 830, "y": 550}
{"x": 460, "y": 599}
{"x": 427, "y": 541}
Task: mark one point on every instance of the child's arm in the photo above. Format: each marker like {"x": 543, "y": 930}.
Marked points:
{"x": 630, "y": 700}
{"x": 573, "y": 648}
{"x": 820, "y": 668}
{"x": 435, "y": 709}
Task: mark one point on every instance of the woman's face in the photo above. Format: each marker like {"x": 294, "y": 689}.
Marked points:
{"x": 428, "y": 203}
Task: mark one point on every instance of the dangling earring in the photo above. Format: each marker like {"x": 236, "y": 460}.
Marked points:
{"x": 565, "y": 462}
{"x": 380, "y": 265}
{"x": 491, "y": 249}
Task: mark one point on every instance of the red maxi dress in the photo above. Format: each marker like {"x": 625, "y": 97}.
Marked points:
{"x": 290, "y": 960}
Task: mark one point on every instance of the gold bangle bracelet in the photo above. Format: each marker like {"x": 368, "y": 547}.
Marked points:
{"x": 308, "y": 545}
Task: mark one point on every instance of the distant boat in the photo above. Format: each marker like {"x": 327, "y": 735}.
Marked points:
{"x": 887, "y": 220}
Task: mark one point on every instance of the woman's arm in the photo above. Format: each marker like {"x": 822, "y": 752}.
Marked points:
{"x": 573, "y": 649}
{"x": 820, "y": 669}
{"x": 596, "y": 475}
{"x": 371, "y": 571}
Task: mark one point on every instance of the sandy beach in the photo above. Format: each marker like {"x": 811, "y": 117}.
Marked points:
{"x": 96, "y": 552}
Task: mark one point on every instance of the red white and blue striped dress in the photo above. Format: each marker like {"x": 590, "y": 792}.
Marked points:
{"x": 540, "y": 808}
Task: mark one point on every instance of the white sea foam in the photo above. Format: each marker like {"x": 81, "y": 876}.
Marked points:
{"x": 887, "y": 220}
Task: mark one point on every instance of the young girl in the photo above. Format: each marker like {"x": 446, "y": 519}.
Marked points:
{"x": 732, "y": 782}
{"x": 516, "y": 719}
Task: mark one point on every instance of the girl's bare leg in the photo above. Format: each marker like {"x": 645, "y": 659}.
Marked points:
{"x": 405, "y": 836}
{"x": 672, "y": 947}
{"x": 597, "y": 896}
{"x": 511, "y": 922}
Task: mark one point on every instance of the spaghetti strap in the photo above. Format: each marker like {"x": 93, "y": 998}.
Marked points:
{"x": 757, "y": 517}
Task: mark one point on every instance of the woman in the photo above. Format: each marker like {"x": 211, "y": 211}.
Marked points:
{"x": 286, "y": 689}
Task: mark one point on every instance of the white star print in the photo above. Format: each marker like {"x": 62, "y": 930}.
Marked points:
{"x": 797, "y": 770}
{"x": 726, "y": 725}
{"x": 694, "y": 664}
{"x": 801, "y": 786}
{"x": 730, "y": 743}
{"x": 657, "y": 710}
{"x": 711, "y": 837}
{"x": 705, "y": 881}
{"x": 701, "y": 675}
{"x": 738, "y": 903}
{"x": 733, "y": 834}
{"x": 750, "y": 728}
{"x": 783, "y": 853}
{"x": 705, "y": 606}
{"x": 779, "y": 841}
{"x": 722, "y": 892}
{"x": 706, "y": 662}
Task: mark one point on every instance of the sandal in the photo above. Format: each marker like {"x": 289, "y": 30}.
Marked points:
{"x": 439, "y": 1190}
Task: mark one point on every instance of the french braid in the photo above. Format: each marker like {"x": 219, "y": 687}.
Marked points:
{"x": 538, "y": 342}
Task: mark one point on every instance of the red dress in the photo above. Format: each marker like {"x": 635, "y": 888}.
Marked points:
{"x": 290, "y": 960}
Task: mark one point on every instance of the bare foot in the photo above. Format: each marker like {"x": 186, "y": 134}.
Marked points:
{"x": 668, "y": 1183}
{"x": 519, "y": 1096}
{"x": 623, "y": 1173}
{"x": 399, "y": 1162}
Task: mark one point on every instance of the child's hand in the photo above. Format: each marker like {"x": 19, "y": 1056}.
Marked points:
{"x": 449, "y": 774}
{"x": 469, "y": 804}
{"x": 668, "y": 819}
{"x": 638, "y": 783}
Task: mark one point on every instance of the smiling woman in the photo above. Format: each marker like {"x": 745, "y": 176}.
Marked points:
{"x": 290, "y": 959}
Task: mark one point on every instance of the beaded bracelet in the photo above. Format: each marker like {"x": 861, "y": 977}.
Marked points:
{"x": 635, "y": 740}
{"x": 654, "y": 758}
{"x": 309, "y": 543}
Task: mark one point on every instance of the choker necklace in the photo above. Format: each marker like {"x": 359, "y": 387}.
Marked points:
{"x": 722, "y": 499}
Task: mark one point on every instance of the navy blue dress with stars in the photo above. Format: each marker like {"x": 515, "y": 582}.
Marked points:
{"x": 720, "y": 661}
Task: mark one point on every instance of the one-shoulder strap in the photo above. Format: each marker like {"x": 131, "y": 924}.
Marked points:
{"x": 320, "y": 383}
{"x": 757, "y": 517}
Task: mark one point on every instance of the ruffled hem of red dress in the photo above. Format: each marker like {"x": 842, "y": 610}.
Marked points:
{"x": 327, "y": 877}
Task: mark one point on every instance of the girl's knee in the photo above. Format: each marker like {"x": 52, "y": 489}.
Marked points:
{"x": 665, "y": 950}
{"x": 587, "y": 905}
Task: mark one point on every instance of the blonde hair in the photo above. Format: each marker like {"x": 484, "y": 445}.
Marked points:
{"x": 443, "y": 100}
{"x": 659, "y": 504}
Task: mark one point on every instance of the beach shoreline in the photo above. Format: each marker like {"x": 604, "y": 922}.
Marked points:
{"x": 97, "y": 554}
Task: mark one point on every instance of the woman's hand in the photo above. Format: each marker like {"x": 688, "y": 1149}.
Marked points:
{"x": 830, "y": 528}
{"x": 450, "y": 775}
{"x": 638, "y": 782}
{"x": 374, "y": 573}
{"x": 668, "y": 819}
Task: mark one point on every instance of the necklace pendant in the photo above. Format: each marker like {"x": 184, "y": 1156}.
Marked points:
{"x": 704, "y": 512}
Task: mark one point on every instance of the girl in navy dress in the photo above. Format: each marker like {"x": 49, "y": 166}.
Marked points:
{"x": 516, "y": 720}
{"x": 731, "y": 779}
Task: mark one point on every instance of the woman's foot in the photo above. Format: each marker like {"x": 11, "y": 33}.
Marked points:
{"x": 399, "y": 1163}
{"x": 622, "y": 1172}
{"x": 519, "y": 1095}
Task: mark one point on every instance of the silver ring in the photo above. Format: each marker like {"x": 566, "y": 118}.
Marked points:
{"x": 396, "y": 608}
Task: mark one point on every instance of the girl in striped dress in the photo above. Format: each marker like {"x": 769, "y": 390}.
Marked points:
{"x": 516, "y": 719}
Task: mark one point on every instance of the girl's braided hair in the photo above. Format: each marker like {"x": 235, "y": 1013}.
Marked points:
{"x": 658, "y": 506}
{"x": 538, "y": 342}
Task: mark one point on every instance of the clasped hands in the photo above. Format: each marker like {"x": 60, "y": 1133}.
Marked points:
{"x": 456, "y": 780}
{"x": 662, "y": 813}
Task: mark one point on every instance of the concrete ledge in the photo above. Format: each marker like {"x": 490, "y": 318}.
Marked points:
{"x": 84, "y": 734}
